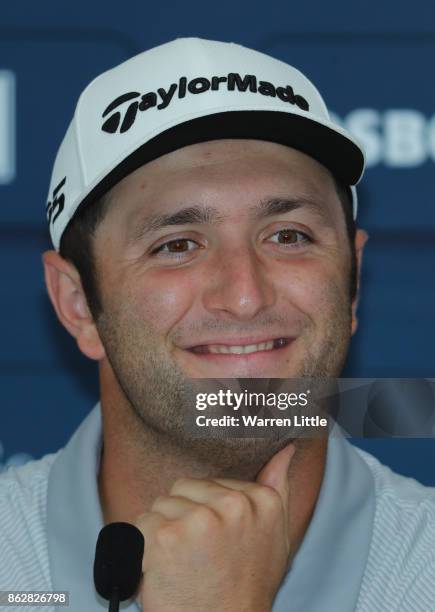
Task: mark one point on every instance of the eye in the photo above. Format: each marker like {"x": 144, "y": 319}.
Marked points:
{"x": 178, "y": 246}
{"x": 290, "y": 237}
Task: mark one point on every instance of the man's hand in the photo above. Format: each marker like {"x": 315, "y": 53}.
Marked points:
{"x": 218, "y": 545}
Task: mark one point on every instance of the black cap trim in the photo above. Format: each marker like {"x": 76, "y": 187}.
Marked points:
{"x": 340, "y": 155}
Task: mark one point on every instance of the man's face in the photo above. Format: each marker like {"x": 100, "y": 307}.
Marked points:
{"x": 222, "y": 259}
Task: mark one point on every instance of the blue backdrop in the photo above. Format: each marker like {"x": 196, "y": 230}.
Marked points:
{"x": 372, "y": 63}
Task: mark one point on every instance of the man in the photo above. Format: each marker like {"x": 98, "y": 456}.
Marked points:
{"x": 202, "y": 212}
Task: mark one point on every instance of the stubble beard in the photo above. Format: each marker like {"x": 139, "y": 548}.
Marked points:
{"x": 157, "y": 392}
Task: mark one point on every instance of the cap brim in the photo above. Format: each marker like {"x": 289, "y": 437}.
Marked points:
{"x": 328, "y": 146}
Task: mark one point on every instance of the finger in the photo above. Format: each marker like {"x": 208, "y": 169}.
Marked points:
{"x": 149, "y": 523}
{"x": 217, "y": 496}
{"x": 174, "y": 506}
{"x": 198, "y": 490}
{"x": 275, "y": 473}
{"x": 236, "y": 485}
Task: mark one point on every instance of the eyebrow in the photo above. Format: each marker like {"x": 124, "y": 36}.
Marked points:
{"x": 203, "y": 215}
{"x": 279, "y": 206}
{"x": 200, "y": 215}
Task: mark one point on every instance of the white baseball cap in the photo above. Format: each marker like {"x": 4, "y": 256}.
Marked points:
{"x": 187, "y": 91}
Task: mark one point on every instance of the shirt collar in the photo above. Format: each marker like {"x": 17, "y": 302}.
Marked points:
{"x": 74, "y": 516}
{"x": 326, "y": 571}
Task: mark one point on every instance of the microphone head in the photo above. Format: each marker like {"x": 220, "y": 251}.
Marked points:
{"x": 118, "y": 560}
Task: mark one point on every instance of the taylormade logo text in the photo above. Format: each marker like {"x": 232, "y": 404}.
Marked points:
{"x": 121, "y": 116}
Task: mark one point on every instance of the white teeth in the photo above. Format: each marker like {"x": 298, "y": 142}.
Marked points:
{"x": 240, "y": 350}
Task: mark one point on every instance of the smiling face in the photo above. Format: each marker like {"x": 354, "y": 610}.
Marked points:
{"x": 226, "y": 259}
{"x": 223, "y": 259}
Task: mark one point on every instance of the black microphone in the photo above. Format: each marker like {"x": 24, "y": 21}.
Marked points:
{"x": 118, "y": 562}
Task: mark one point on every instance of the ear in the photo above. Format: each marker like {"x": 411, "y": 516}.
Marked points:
{"x": 69, "y": 301}
{"x": 361, "y": 238}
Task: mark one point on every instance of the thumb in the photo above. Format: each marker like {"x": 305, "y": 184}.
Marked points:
{"x": 275, "y": 473}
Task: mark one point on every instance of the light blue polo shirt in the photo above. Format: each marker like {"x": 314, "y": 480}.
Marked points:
{"x": 370, "y": 545}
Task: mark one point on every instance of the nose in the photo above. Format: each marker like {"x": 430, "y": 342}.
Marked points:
{"x": 238, "y": 285}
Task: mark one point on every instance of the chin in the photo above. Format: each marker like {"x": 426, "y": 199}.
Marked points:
{"x": 234, "y": 456}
